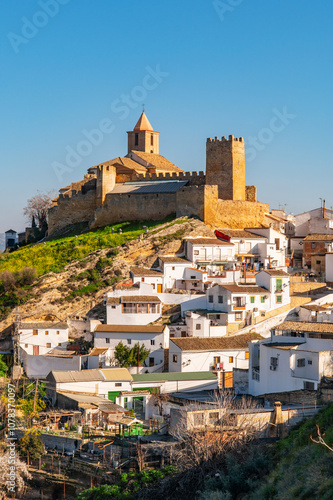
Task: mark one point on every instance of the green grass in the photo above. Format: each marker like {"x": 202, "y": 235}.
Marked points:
{"x": 54, "y": 255}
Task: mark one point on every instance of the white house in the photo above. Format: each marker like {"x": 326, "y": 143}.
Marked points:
{"x": 278, "y": 283}
{"x": 173, "y": 269}
{"x": 273, "y": 251}
{"x": 132, "y": 309}
{"x": 40, "y": 338}
{"x": 297, "y": 356}
{"x": 57, "y": 359}
{"x": 201, "y": 323}
{"x": 107, "y": 383}
{"x": 219, "y": 355}
{"x": 11, "y": 239}
{"x": 155, "y": 338}
{"x": 150, "y": 276}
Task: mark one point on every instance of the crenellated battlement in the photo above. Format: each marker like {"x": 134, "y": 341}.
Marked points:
{"x": 224, "y": 139}
{"x": 193, "y": 177}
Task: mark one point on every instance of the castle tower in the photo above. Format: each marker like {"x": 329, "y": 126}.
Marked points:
{"x": 106, "y": 180}
{"x": 142, "y": 137}
{"x": 225, "y": 167}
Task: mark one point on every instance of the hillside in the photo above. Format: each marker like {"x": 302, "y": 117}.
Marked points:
{"x": 74, "y": 272}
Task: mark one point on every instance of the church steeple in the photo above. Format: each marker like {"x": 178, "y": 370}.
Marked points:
{"x": 143, "y": 137}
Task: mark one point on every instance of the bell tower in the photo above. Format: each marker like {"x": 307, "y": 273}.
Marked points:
{"x": 143, "y": 138}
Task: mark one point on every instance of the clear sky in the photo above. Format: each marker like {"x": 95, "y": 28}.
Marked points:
{"x": 253, "y": 68}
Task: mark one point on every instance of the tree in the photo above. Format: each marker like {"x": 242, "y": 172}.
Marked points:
{"x": 30, "y": 443}
{"x": 7, "y": 462}
{"x": 127, "y": 356}
{"x": 37, "y": 208}
{"x": 3, "y": 367}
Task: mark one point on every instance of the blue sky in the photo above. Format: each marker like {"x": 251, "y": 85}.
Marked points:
{"x": 227, "y": 67}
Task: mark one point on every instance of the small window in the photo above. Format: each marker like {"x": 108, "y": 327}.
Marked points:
{"x": 142, "y": 280}
{"x": 136, "y": 139}
{"x": 220, "y": 299}
{"x": 252, "y": 299}
{"x": 309, "y": 361}
{"x": 48, "y": 345}
{"x": 279, "y": 299}
{"x": 58, "y": 333}
{"x": 300, "y": 363}
{"x": 198, "y": 326}
{"x": 25, "y": 345}
{"x": 174, "y": 358}
{"x": 129, "y": 341}
{"x": 152, "y": 140}
{"x": 192, "y": 277}
{"x": 318, "y": 262}
{"x": 152, "y": 342}
{"x": 238, "y": 316}
{"x": 231, "y": 359}
{"x": 107, "y": 340}
{"x": 173, "y": 268}
{"x": 113, "y": 307}
{"x": 198, "y": 418}
{"x": 210, "y": 299}
{"x": 59, "y": 344}
{"x": 247, "y": 355}
{"x": 46, "y": 332}
{"x": 34, "y": 332}
{"x": 274, "y": 361}
{"x": 196, "y": 252}
{"x": 118, "y": 384}
{"x": 309, "y": 386}
{"x": 262, "y": 299}
{"x": 313, "y": 245}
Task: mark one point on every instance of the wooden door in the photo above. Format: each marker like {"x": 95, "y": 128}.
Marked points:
{"x": 36, "y": 350}
{"x": 159, "y": 288}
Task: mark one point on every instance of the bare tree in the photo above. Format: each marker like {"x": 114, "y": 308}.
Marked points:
{"x": 204, "y": 433}
{"x": 320, "y": 439}
{"x": 37, "y": 208}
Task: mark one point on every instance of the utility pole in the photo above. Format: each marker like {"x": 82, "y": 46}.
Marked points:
{"x": 138, "y": 357}
{"x": 16, "y": 347}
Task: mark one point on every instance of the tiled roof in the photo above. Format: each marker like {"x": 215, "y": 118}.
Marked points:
{"x": 215, "y": 343}
{"x": 113, "y": 300}
{"x": 116, "y": 374}
{"x": 77, "y": 376}
{"x": 314, "y": 307}
{"x": 241, "y": 233}
{"x": 319, "y": 237}
{"x": 143, "y": 123}
{"x": 158, "y": 161}
{"x": 305, "y": 326}
{"x": 130, "y": 328}
{"x": 174, "y": 259}
{"x": 245, "y": 289}
{"x": 60, "y": 353}
{"x": 208, "y": 242}
{"x": 140, "y": 298}
{"x": 276, "y": 272}
{"x": 141, "y": 271}
{"x": 44, "y": 326}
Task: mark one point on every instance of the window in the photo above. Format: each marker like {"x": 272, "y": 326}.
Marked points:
{"x": 277, "y": 243}
{"x": 198, "y": 418}
{"x": 252, "y": 299}
{"x": 213, "y": 418}
{"x": 173, "y": 268}
{"x": 309, "y": 386}
{"x": 136, "y": 139}
{"x": 25, "y": 345}
{"x": 34, "y": 332}
{"x": 143, "y": 308}
{"x": 274, "y": 362}
{"x": 58, "y": 332}
{"x": 129, "y": 341}
{"x": 142, "y": 280}
{"x": 152, "y": 140}
{"x": 309, "y": 361}
{"x": 154, "y": 308}
{"x": 247, "y": 355}
{"x": 279, "y": 299}
{"x": 192, "y": 277}
{"x": 262, "y": 299}
{"x": 118, "y": 384}
{"x": 318, "y": 262}
{"x": 46, "y": 332}
{"x": 220, "y": 299}
{"x": 59, "y": 344}
{"x": 239, "y": 301}
{"x": 196, "y": 252}
{"x": 278, "y": 285}
{"x": 313, "y": 245}
{"x": 174, "y": 358}
{"x": 48, "y": 345}
{"x": 210, "y": 299}
{"x": 238, "y": 316}
{"x": 300, "y": 363}
{"x": 107, "y": 341}
{"x": 113, "y": 307}
{"x": 152, "y": 342}
{"x": 231, "y": 359}
{"x": 198, "y": 326}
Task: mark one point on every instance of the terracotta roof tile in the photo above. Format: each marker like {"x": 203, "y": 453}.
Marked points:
{"x": 140, "y": 271}
{"x": 131, "y": 328}
{"x": 175, "y": 259}
{"x": 319, "y": 237}
{"x": 276, "y": 272}
{"x": 143, "y": 123}
{"x": 245, "y": 289}
{"x": 139, "y": 298}
{"x": 208, "y": 242}
{"x": 241, "y": 233}
{"x": 158, "y": 161}
{"x": 305, "y": 326}
{"x": 215, "y": 343}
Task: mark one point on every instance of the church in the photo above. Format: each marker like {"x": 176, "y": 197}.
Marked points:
{"x": 144, "y": 185}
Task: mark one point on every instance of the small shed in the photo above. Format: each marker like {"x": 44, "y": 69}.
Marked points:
{"x": 129, "y": 426}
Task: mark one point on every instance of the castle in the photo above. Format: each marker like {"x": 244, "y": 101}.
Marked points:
{"x": 143, "y": 185}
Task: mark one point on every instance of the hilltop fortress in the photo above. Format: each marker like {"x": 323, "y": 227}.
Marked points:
{"x": 144, "y": 185}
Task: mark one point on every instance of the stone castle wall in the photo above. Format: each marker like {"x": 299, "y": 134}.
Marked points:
{"x": 71, "y": 210}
